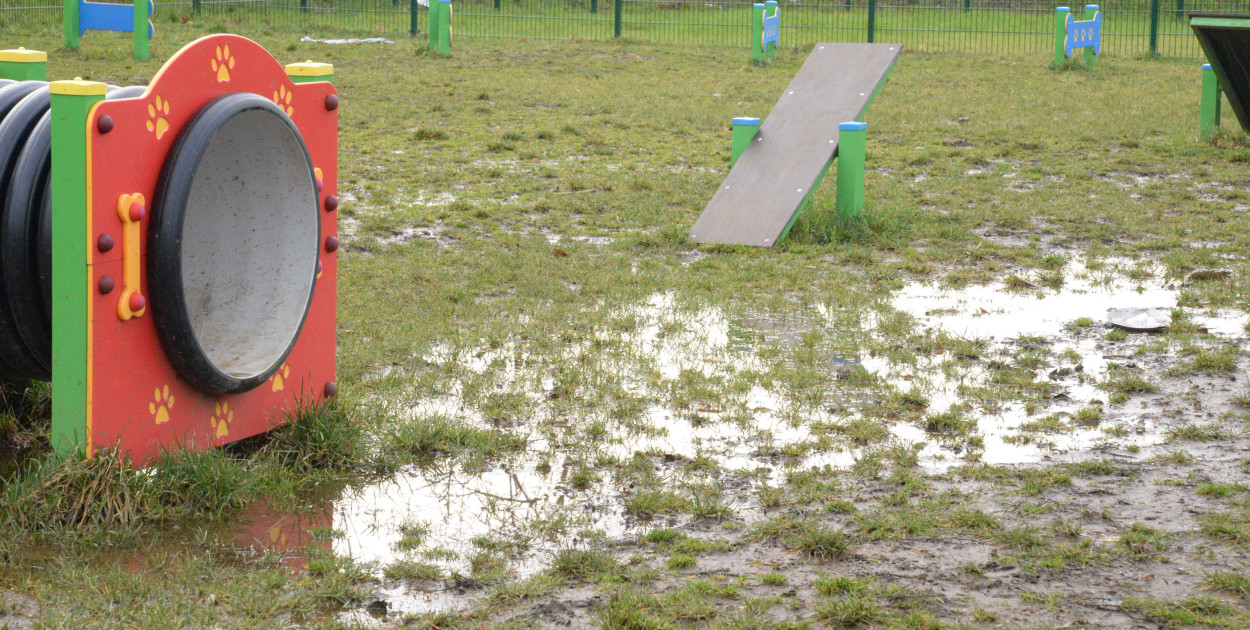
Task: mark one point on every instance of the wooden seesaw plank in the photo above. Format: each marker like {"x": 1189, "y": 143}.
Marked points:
{"x": 1225, "y": 38}
{"x": 764, "y": 191}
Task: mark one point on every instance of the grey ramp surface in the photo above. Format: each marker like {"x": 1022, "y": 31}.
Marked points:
{"x": 760, "y": 196}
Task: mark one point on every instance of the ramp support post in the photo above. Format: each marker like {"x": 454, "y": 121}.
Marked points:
{"x": 1209, "y": 117}
{"x": 23, "y": 65}
{"x": 744, "y": 130}
{"x": 852, "y": 147}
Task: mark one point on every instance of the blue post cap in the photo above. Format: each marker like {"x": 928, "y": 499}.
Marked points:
{"x": 1206, "y": 66}
{"x": 1063, "y": 10}
{"x": 852, "y": 126}
{"x": 758, "y": 5}
{"x": 771, "y": 2}
{"x": 1091, "y": 6}
{"x": 747, "y": 121}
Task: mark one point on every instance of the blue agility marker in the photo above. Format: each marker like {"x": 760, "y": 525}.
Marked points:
{"x": 1071, "y": 34}
{"x": 82, "y": 16}
{"x": 765, "y": 30}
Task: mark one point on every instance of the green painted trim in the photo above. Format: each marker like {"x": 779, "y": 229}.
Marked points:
{"x": 1209, "y": 111}
{"x": 71, "y": 293}
{"x": 852, "y": 150}
{"x": 324, "y": 77}
{"x": 1220, "y": 22}
{"x": 24, "y": 70}
{"x": 70, "y": 22}
{"x": 142, "y": 44}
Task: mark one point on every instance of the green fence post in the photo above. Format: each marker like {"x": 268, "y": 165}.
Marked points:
{"x": 594, "y": 6}
{"x": 444, "y": 26}
{"x": 496, "y": 5}
{"x": 1090, "y": 58}
{"x": 1180, "y": 9}
{"x": 872, "y": 20}
{"x": 143, "y": 27}
{"x": 1154, "y": 28}
{"x": 1061, "y": 33}
{"x": 303, "y": 6}
{"x": 852, "y": 146}
{"x": 967, "y": 5}
{"x": 412, "y": 18}
{"x": 24, "y": 65}
{"x": 1209, "y": 112}
{"x": 195, "y": 6}
{"x": 757, "y": 32}
{"x": 617, "y": 9}
{"x": 744, "y": 130}
{"x": 72, "y": 102}
{"x": 70, "y": 22}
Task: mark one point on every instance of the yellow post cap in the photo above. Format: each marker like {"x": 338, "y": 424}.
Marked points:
{"x": 309, "y": 69}
{"x": 78, "y": 87}
{"x": 21, "y": 55}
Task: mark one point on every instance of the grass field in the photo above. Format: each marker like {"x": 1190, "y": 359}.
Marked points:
{"x": 556, "y": 411}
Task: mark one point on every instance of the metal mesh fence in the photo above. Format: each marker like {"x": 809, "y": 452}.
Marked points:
{"x": 1130, "y": 27}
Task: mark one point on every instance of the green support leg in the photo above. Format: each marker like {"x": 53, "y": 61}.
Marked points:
{"x": 142, "y": 24}
{"x": 757, "y": 32}
{"x": 70, "y": 22}
{"x": 852, "y": 146}
{"x": 1090, "y": 58}
{"x": 1061, "y": 33}
{"x": 23, "y": 65}
{"x": 744, "y": 130}
{"x": 1209, "y": 117}
{"x": 71, "y": 278}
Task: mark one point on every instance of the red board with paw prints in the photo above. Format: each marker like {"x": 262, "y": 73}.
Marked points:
{"x": 136, "y": 398}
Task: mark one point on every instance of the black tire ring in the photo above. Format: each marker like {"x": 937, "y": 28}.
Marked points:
{"x": 165, "y": 235}
{"x": 19, "y": 224}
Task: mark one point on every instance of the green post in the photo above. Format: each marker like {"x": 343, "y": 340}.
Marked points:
{"x": 617, "y": 10}
{"x": 70, "y": 22}
{"x": 72, "y": 282}
{"x": 757, "y": 32}
{"x": 143, "y": 26}
{"x": 24, "y": 65}
{"x": 412, "y": 18}
{"x": 744, "y": 130}
{"x": 967, "y": 5}
{"x": 1209, "y": 116}
{"x": 594, "y": 6}
{"x": 1180, "y": 9}
{"x": 310, "y": 72}
{"x": 1061, "y": 33}
{"x": 1091, "y": 59}
{"x": 440, "y": 27}
{"x": 433, "y": 26}
{"x": 872, "y": 20}
{"x": 852, "y": 146}
{"x": 195, "y": 7}
{"x": 1154, "y": 28}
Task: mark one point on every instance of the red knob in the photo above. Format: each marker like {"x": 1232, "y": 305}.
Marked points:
{"x": 138, "y": 212}
{"x": 105, "y": 285}
{"x": 104, "y": 124}
{"x": 331, "y": 389}
{"x": 332, "y": 203}
{"x": 137, "y": 302}
{"x": 332, "y": 244}
{"x": 104, "y": 243}
{"x": 332, "y": 102}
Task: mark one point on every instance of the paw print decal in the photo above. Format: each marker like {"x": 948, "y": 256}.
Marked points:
{"x": 162, "y": 402}
{"x": 223, "y": 63}
{"x": 223, "y": 415}
{"x": 157, "y": 111}
{"x": 282, "y": 97}
{"x": 279, "y": 377}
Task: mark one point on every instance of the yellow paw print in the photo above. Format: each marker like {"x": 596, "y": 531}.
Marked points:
{"x": 222, "y": 417}
{"x": 162, "y": 402}
{"x": 157, "y": 111}
{"x": 223, "y": 63}
{"x": 279, "y": 377}
{"x": 282, "y": 97}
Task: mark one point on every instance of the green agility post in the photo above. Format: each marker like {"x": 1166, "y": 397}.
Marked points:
{"x": 71, "y": 305}
{"x": 1091, "y": 11}
{"x": 852, "y": 147}
{"x": 1061, "y": 33}
{"x": 1209, "y": 117}
{"x": 70, "y": 22}
{"x": 23, "y": 65}
{"x": 440, "y": 27}
{"x": 757, "y": 32}
{"x": 744, "y": 130}
{"x": 142, "y": 24}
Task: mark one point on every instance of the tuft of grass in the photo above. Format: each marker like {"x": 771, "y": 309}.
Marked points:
{"x": 441, "y": 435}
{"x": 325, "y": 435}
{"x": 820, "y": 542}
{"x": 584, "y": 564}
{"x": 848, "y": 611}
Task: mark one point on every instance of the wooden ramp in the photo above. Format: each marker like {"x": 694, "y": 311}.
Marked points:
{"x": 765, "y": 190}
{"x": 1225, "y": 38}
